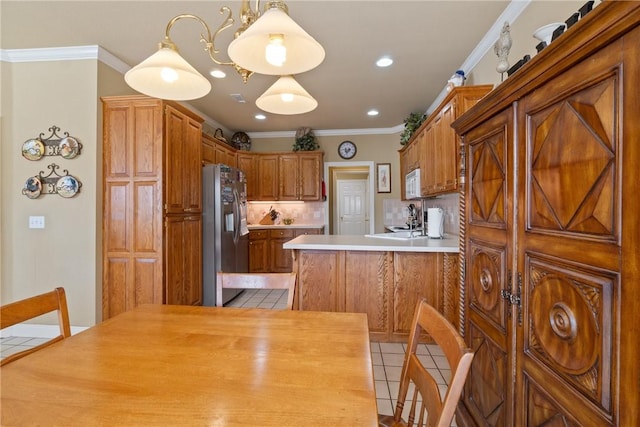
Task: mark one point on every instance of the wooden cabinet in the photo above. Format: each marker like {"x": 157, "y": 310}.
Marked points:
{"x": 151, "y": 204}
{"x": 282, "y": 176}
{"x": 216, "y": 151}
{"x": 435, "y": 147}
{"x": 551, "y": 233}
{"x": 259, "y": 251}
{"x": 248, "y": 163}
{"x": 265, "y": 248}
{"x": 384, "y": 285}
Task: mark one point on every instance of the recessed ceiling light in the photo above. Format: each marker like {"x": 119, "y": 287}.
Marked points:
{"x": 218, "y": 74}
{"x": 372, "y": 113}
{"x": 385, "y": 61}
{"x": 260, "y": 116}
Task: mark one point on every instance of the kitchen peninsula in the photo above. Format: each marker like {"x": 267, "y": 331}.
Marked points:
{"x": 382, "y": 277}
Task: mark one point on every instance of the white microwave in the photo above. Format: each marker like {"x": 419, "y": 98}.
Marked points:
{"x": 412, "y": 185}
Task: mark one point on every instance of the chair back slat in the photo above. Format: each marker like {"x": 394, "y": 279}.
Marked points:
{"x": 20, "y": 311}
{"x": 256, "y": 281}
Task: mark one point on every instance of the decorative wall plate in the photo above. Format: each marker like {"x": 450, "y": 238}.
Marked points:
{"x": 33, "y": 149}
{"x": 69, "y": 147}
{"x": 67, "y": 186}
{"x": 32, "y": 187}
{"x": 241, "y": 141}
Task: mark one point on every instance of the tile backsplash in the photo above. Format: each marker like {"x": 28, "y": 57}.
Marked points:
{"x": 307, "y": 213}
{"x": 396, "y": 211}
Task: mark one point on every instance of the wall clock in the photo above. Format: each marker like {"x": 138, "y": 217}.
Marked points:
{"x": 347, "y": 149}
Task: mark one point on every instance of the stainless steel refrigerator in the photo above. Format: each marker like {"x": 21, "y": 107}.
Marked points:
{"x": 225, "y": 236}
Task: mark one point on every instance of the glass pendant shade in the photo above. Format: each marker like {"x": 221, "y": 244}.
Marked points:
{"x": 286, "y": 96}
{"x": 248, "y": 50}
{"x": 166, "y": 75}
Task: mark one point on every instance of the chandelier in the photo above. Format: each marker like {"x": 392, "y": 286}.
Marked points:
{"x": 269, "y": 43}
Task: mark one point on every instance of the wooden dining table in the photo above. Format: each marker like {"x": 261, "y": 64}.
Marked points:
{"x": 166, "y": 365}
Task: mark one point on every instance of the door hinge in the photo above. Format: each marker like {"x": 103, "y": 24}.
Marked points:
{"x": 514, "y": 299}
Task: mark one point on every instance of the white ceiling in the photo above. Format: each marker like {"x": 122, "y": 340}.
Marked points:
{"x": 428, "y": 41}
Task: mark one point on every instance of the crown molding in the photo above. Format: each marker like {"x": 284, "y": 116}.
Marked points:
{"x": 330, "y": 132}
{"x": 510, "y": 14}
{"x": 69, "y": 53}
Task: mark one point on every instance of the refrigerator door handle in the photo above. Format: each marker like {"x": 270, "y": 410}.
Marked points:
{"x": 236, "y": 216}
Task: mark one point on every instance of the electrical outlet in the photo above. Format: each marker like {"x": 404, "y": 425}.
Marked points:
{"x": 36, "y": 222}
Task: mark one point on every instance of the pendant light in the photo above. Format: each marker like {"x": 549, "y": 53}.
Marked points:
{"x": 286, "y": 96}
{"x": 276, "y": 45}
{"x": 166, "y": 75}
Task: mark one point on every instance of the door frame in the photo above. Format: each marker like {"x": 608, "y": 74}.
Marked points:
{"x": 328, "y": 166}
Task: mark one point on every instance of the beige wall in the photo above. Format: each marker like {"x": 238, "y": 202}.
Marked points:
{"x": 36, "y": 96}
{"x": 537, "y": 14}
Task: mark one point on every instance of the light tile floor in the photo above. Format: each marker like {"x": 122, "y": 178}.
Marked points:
{"x": 387, "y": 357}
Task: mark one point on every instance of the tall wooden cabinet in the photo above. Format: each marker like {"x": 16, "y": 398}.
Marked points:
{"x": 551, "y": 234}
{"x": 152, "y": 204}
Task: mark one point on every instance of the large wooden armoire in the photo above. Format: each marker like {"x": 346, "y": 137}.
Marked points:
{"x": 152, "y": 204}
{"x": 551, "y": 233}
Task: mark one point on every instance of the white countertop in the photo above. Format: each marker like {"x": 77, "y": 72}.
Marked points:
{"x": 279, "y": 226}
{"x": 362, "y": 243}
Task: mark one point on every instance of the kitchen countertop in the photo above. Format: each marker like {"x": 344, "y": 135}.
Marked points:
{"x": 363, "y": 243}
{"x": 292, "y": 226}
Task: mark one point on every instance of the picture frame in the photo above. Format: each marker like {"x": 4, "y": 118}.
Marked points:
{"x": 383, "y": 177}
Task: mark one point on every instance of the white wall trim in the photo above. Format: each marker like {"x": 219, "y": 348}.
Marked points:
{"x": 37, "y": 331}
{"x": 331, "y": 132}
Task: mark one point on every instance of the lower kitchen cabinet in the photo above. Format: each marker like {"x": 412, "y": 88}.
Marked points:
{"x": 266, "y": 254}
{"x": 183, "y": 249}
{"x": 384, "y": 285}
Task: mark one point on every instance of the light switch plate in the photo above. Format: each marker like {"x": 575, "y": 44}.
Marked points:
{"x": 36, "y": 222}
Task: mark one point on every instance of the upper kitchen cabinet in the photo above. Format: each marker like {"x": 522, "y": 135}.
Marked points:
{"x": 248, "y": 163}
{"x": 435, "y": 147}
{"x": 215, "y": 151}
{"x": 151, "y": 204}
{"x": 300, "y": 176}
{"x": 283, "y": 176}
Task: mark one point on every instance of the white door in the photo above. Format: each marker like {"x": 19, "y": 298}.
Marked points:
{"x": 352, "y": 206}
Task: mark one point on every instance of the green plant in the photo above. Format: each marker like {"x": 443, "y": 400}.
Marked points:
{"x": 305, "y": 140}
{"x": 411, "y": 123}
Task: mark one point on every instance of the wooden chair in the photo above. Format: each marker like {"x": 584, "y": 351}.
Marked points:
{"x": 432, "y": 410}
{"x": 29, "y": 308}
{"x": 256, "y": 281}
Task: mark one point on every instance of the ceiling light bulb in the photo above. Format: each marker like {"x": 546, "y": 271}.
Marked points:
{"x": 276, "y": 51}
{"x": 385, "y": 61}
{"x": 169, "y": 75}
{"x": 286, "y": 97}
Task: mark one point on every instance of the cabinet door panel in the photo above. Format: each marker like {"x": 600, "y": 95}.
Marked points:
{"x": 248, "y": 163}
{"x": 268, "y": 177}
{"x": 175, "y": 130}
{"x": 288, "y": 177}
{"x": 319, "y": 279}
{"x": 310, "y": 176}
{"x": 192, "y": 167}
{"x": 174, "y": 260}
{"x": 368, "y": 282}
{"x": 410, "y": 285}
{"x": 193, "y": 261}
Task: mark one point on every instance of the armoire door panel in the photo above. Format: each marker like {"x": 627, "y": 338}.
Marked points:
{"x": 542, "y": 410}
{"x": 572, "y": 177}
{"x": 147, "y": 270}
{"x": 487, "y": 386}
{"x": 117, "y": 271}
{"x": 569, "y": 328}
{"x": 487, "y": 156}
{"x": 487, "y": 282}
